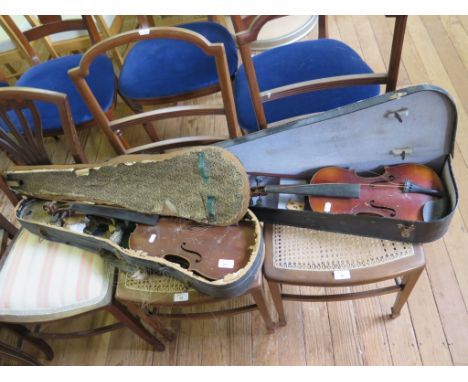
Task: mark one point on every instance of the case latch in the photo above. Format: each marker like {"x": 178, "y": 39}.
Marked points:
{"x": 406, "y": 230}
{"x": 403, "y": 152}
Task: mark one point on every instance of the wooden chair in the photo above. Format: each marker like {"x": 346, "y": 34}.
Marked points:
{"x": 305, "y": 257}
{"x": 146, "y": 298}
{"x": 22, "y": 111}
{"x": 52, "y": 74}
{"x": 44, "y": 281}
{"x": 9, "y": 231}
{"x": 304, "y": 77}
{"x": 114, "y": 129}
{"x": 153, "y": 72}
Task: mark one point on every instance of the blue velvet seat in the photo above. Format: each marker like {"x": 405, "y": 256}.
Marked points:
{"x": 165, "y": 67}
{"x": 52, "y": 75}
{"x": 297, "y": 62}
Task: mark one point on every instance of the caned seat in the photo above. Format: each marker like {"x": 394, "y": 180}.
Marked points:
{"x": 158, "y": 291}
{"x": 300, "y": 256}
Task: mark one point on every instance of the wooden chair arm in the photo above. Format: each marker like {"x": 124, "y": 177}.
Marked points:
{"x": 321, "y": 84}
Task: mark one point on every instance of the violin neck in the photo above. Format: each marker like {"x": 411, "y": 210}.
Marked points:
{"x": 334, "y": 190}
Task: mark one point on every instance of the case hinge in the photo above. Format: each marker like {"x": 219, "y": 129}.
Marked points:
{"x": 406, "y": 230}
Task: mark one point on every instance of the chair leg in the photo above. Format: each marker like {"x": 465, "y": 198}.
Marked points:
{"x": 25, "y": 334}
{"x": 122, "y": 315}
{"x": 14, "y": 353}
{"x": 275, "y": 290}
{"x": 409, "y": 281}
{"x": 148, "y": 126}
{"x": 260, "y": 300}
{"x": 151, "y": 131}
{"x": 152, "y": 321}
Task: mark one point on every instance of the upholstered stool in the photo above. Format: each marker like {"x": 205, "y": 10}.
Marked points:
{"x": 300, "y": 256}
{"x": 43, "y": 281}
{"x": 158, "y": 291}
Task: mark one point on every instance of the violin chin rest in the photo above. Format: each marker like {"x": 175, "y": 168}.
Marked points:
{"x": 435, "y": 209}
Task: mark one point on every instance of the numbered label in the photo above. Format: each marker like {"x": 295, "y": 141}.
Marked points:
{"x": 178, "y": 297}
{"x": 225, "y": 263}
{"x": 342, "y": 275}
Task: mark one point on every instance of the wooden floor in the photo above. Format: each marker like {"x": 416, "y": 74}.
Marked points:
{"x": 432, "y": 329}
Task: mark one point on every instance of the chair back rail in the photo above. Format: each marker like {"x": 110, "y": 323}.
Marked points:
{"x": 21, "y": 134}
{"x": 247, "y": 30}
{"x": 48, "y": 25}
{"x": 109, "y": 128}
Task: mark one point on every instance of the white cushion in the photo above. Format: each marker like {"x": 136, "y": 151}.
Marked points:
{"x": 42, "y": 280}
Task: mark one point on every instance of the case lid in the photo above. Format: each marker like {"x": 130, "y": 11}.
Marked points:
{"x": 412, "y": 125}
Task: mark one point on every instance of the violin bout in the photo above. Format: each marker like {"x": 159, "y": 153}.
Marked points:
{"x": 209, "y": 251}
{"x": 400, "y": 192}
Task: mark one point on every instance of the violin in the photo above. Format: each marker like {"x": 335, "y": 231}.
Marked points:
{"x": 400, "y": 192}
{"x": 210, "y": 251}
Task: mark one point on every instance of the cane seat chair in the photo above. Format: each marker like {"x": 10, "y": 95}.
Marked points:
{"x": 304, "y": 77}
{"x": 146, "y": 298}
{"x": 130, "y": 80}
{"x": 306, "y": 257}
{"x": 52, "y": 74}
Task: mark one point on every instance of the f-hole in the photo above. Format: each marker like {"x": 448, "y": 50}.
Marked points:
{"x": 184, "y": 263}
{"x": 391, "y": 210}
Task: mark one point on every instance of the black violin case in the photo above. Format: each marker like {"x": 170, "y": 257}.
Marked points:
{"x": 412, "y": 125}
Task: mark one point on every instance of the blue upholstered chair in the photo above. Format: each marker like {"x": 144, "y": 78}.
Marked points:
{"x": 304, "y": 77}
{"x": 52, "y": 74}
{"x": 164, "y": 65}
{"x": 163, "y": 71}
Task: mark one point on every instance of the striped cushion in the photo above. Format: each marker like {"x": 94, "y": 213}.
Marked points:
{"x": 41, "y": 280}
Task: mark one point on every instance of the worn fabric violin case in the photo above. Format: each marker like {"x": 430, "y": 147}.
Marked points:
{"x": 174, "y": 214}
{"x": 415, "y": 125}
